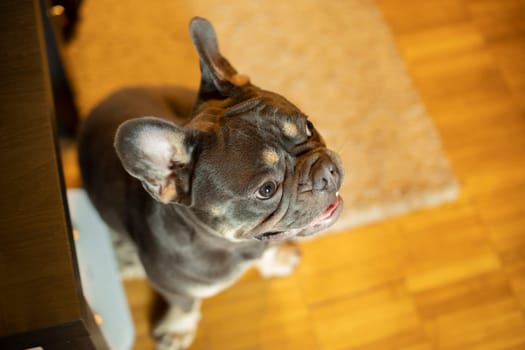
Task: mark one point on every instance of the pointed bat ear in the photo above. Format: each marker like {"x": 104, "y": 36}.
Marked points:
{"x": 155, "y": 151}
{"x": 218, "y": 75}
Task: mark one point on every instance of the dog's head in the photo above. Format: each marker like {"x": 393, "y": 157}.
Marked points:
{"x": 249, "y": 164}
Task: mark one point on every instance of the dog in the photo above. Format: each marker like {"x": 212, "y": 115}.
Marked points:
{"x": 207, "y": 184}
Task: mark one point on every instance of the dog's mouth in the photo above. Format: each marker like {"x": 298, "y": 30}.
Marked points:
{"x": 324, "y": 220}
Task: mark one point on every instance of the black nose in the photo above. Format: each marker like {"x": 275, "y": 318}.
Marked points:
{"x": 325, "y": 176}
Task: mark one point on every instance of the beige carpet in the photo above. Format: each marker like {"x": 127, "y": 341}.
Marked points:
{"x": 335, "y": 59}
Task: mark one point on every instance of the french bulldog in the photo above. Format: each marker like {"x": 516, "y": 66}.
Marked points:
{"x": 206, "y": 184}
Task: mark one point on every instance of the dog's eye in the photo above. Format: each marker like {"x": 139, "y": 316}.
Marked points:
{"x": 267, "y": 190}
{"x": 309, "y": 128}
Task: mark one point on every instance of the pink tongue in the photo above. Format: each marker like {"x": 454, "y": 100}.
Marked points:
{"x": 326, "y": 213}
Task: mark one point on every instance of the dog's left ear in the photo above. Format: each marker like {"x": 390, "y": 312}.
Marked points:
{"x": 158, "y": 153}
{"x": 218, "y": 75}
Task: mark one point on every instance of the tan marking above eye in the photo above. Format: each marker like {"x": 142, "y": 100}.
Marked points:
{"x": 270, "y": 157}
{"x": 290, "y": 129}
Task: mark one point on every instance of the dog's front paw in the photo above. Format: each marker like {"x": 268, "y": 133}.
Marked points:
{"x": 174, "y": 341}
{"x": 279, "y": 261}
{"x": 176, "y": 330}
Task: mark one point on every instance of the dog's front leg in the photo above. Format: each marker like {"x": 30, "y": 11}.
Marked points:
{"x": 279, "y": 260}
{"x": 177, "y": 327}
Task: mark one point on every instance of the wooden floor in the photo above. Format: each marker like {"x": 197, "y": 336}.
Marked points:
{"x": 446, "y": 278}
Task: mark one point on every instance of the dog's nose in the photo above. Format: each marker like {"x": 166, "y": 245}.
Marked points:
{"x": 325, "y": 176}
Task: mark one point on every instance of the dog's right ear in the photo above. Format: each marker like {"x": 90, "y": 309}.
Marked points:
{"x": 157, "y": 152}
{"x": 218, "y": 77}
